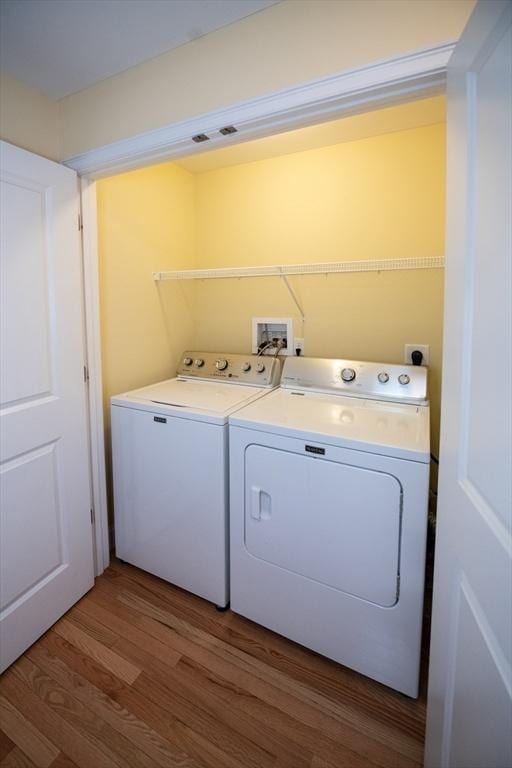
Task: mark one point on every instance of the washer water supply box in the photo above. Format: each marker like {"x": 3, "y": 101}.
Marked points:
{"x": 272, "y": 336}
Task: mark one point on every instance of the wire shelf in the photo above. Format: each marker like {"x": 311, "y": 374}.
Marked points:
{"x": 318, "y": 268}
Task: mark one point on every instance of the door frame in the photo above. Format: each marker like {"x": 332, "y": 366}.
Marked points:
{"x": 382, "y": 83}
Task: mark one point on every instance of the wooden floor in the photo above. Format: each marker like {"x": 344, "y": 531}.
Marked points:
{"x": 142, "y": 674}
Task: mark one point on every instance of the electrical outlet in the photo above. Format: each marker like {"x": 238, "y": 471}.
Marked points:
{"x": 410, "y": 348}
{"x": 298, "y": 344}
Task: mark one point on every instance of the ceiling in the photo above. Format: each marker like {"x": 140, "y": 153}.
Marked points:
{"x": 63, "y": 46}
{"x": 413, "y": 114}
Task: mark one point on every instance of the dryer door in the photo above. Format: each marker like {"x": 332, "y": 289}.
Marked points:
{"x": 334, "y": 523}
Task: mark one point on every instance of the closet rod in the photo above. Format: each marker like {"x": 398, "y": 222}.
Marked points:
{"x": 319, "y": 268}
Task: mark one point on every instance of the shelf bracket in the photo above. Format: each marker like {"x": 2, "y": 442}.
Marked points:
{"x": 293, "y": 295}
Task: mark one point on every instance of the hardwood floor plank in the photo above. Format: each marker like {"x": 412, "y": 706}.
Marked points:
{"x": 146, "y": 741}
{"x": 319, "y": 762}
{"x": 82, "y": 663}
{"x": 17, "y": 759}
{"x": 209, "y": 725}
{"x": 145, "y": 710}
{"x": 41, "y": 713}
{"x": 162, "y": 686}
{"x": 106, "y": 635}
{"x": 306, "y": 705}
{"x": 162, "y": 720}
{"x": 211, "y": 753}
{"x": 301, "y": 741}
{"x": 21, "y": 731}
{"x": 273, "y": 729}
{"x": 5, "y": 744}
{"x": 331, "y": 679}
{"x": 119, "y": 748}
{"x": 115, "y": 746}
{"x": 141, "y": 674}
{"x": 63, "y": 761}
{"x": 248, "y": 732}
{"x": 349, "y": 738}
{"x": 88, "y": 645}
{"x": 156, "y": 648}
{"x": 97, "y": 676}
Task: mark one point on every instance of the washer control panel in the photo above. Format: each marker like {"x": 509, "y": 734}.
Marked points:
{"x": 377, "y": 381}
{"x": 233, "y": 369}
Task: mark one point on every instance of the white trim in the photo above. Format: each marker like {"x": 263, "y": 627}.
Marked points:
{"x": 351, "y": 91}
{"x": 320, "y": 268}
{"x": 92, "y": 321}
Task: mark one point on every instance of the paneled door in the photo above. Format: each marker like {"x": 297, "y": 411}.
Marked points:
{"x": 469, "y": 722}
{"x": 46, "y": 548}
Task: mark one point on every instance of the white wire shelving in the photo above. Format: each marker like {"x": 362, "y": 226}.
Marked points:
{"x": 313, "y": 268}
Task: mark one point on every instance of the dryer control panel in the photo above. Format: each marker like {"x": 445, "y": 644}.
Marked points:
{"x": 376, "y": 381}
{"x": 253, "y": 370}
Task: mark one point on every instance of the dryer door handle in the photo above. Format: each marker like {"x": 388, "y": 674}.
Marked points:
{"x": 261, "y": 504}
{"x": 255, "y": 502}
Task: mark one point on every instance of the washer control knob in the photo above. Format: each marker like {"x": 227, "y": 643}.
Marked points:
{"x": 348, "y": 374}
{"x": 404, "y": 378}
{"x": 187, "y": 361}
{"x": 383, "y": 377}
{"x": 199, "y": 363}
{"x": 221, "y": 365}
{"x": 260, "y": 368}
{"x": 246, "y": 367}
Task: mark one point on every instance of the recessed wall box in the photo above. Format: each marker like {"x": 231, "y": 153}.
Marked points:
{"x": 272, "y": 335}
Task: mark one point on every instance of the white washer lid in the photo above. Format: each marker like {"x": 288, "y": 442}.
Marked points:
{"x": 390, "y": 429}
{"x": 189, "y": 398}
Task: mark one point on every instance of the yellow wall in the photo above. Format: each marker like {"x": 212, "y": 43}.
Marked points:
{"x": 287, "y": 44}
{"x": 29, "y": 119}
{"x": 145, "y": 220}
{"x": 381, "y": 197}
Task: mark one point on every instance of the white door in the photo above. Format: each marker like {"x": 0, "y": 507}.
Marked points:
{"x": 298, "y": 506}
{"x": 469, "y": 720}
{"x": 46, "y": 555}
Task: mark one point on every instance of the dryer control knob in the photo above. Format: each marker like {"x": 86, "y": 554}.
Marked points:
{"x": 404, "y": 378}
{"x": 348, "y": 374}
{"x": 187, "y": 361}
{"x": 199, "y": 363}
{"x": 221, "y": 365}
{"x": 260, "y": 368}
{"x": 246, "y": 367}
{"x": 383, "y": 377}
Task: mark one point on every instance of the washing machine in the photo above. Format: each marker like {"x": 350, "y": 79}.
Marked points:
{"x": 329, "y": 479}
{"x": 170, "y": 468}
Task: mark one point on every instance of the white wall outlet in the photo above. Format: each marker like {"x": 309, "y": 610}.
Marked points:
{"x": 298, "y": 344}
{"x": 423, "y": 348}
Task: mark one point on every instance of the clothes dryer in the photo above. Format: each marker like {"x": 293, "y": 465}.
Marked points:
{"x": 329, "y": 490}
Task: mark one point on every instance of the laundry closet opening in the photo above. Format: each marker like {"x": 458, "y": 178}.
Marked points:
{"x": 368, "y": 187}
